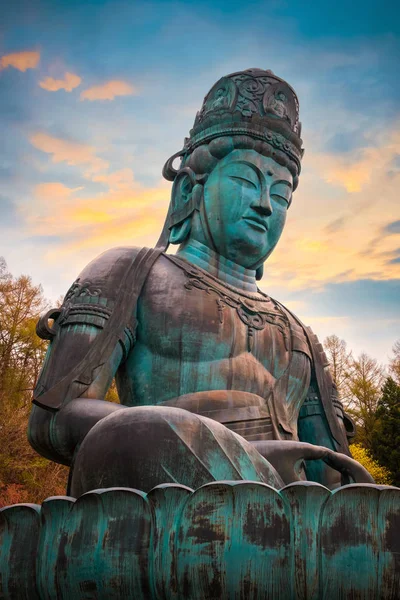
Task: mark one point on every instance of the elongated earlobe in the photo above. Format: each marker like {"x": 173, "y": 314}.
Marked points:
{"x": 180, "y": 232}
{"x": 259, "y": 272}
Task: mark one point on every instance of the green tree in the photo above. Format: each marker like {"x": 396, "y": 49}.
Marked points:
{"x": 385, "y": 441}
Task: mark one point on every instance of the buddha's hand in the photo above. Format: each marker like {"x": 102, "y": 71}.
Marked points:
{"x": 288, "y": 459}
{"x": 72, "y": 423}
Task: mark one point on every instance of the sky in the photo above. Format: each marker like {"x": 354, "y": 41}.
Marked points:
{"x": 96, "y": 95}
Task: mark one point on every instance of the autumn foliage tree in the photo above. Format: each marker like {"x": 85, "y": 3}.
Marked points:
{"x": 359, "y": 381}
{"x": 380, "y": 473}
{"x": 365, "y": 389}
{"x": 376, "y": 412}
{"x": 24, "y": 476}
{"x": 21, "y": 351}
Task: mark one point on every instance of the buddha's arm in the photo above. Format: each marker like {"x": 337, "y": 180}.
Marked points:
{"x": 57, "y": 428}
{"x": 314, "y": 428}
{"x": 56, "y": 435}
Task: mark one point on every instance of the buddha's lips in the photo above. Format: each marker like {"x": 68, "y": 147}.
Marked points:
{"x": 257, "y": 221}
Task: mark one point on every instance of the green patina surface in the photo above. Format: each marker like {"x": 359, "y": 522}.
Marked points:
{"x": 225, "y": 540}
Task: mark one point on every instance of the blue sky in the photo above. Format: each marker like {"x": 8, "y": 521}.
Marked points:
{"x": 95, "y": 96}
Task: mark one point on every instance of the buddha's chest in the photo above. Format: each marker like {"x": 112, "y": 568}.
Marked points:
{"x": 195, "y": 333}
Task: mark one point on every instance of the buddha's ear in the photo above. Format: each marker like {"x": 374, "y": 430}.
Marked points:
{"x": 181, "y": 216}
{"x": 260, "y": 272}
{"x": 180, "y": 232}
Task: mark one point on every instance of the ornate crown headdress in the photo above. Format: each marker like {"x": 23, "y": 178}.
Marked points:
{"x": 257, "y": 110}
{"x": 254, "y": 103}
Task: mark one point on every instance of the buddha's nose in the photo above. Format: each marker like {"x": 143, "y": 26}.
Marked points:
{"x": 263, "y": 205}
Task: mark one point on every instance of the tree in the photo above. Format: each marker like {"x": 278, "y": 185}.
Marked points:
{"x": 385, "y": 443}
{"x": 24, "y": 476}
{"x": 394, "y": 366}
{"x": 340, "y": 364}
{"x": 359, "y": 383}
{"x": 364, "y": 384}
{"x": 21, "y": 351}
{"x": 381, "y": 474}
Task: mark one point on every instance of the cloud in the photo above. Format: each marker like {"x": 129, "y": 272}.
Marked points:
{"x": 392, "y": 228}
{"x": 346, "y": 141}
{"x": 73, "y": 153}
{"x": 54, "y": 190}
{"x": 121, "y": 180}
{"x": 108, "y": 91}
{"x": 335, "y": 225}
{"x": 69, "y": 83}
{"x": 88, "y": 225}
{"x": 354, "y": 170}
{"x": 396, "y": 162}
{"x": 20, "y": 60}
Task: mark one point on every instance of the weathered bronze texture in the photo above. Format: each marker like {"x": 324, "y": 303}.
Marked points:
{"x": 239, "y": 540}
{"x": 216, "y": 379}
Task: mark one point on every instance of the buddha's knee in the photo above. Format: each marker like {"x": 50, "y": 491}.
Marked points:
{"x": 143, "y": 447}
{"x": 134, "y": 448}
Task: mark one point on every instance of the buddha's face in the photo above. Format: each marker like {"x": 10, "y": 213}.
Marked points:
{"x": 246, "y": 198}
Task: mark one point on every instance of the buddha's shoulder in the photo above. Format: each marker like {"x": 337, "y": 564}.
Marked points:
{"x": 123, "y": 265}
{"x": 110, "y": 262}
{"x": 104, "y": 275}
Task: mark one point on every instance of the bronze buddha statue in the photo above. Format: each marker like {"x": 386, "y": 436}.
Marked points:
{"x": 216, "y": 379}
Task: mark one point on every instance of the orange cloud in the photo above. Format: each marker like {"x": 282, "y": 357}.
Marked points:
{"x": 69, "y": 83}
{"x": 118, "y": 180}
{"x": 73, "y": 153}
{"x": 108, "y": 91}
{"x": 20, "y": 60}
{"x": 89, "y": 225}
{"x": 356, "y": 171}
{"x": 54, "y": 190}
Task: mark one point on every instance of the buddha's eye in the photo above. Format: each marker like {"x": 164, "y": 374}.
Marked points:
{"x": 244, "y": 181}
{"x": 281, "y": 193}
{"x": 280, "y": 200}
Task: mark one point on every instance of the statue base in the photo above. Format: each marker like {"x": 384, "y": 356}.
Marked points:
{"x": 227, "y": 539}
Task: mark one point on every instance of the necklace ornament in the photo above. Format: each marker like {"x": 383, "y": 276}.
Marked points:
{"x": 254, "y": 311}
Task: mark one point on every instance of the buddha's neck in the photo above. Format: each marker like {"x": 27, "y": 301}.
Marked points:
{"x": 217, "y": 265}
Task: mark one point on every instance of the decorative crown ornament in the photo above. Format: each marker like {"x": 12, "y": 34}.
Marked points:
{"x": 255, "y": 103}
